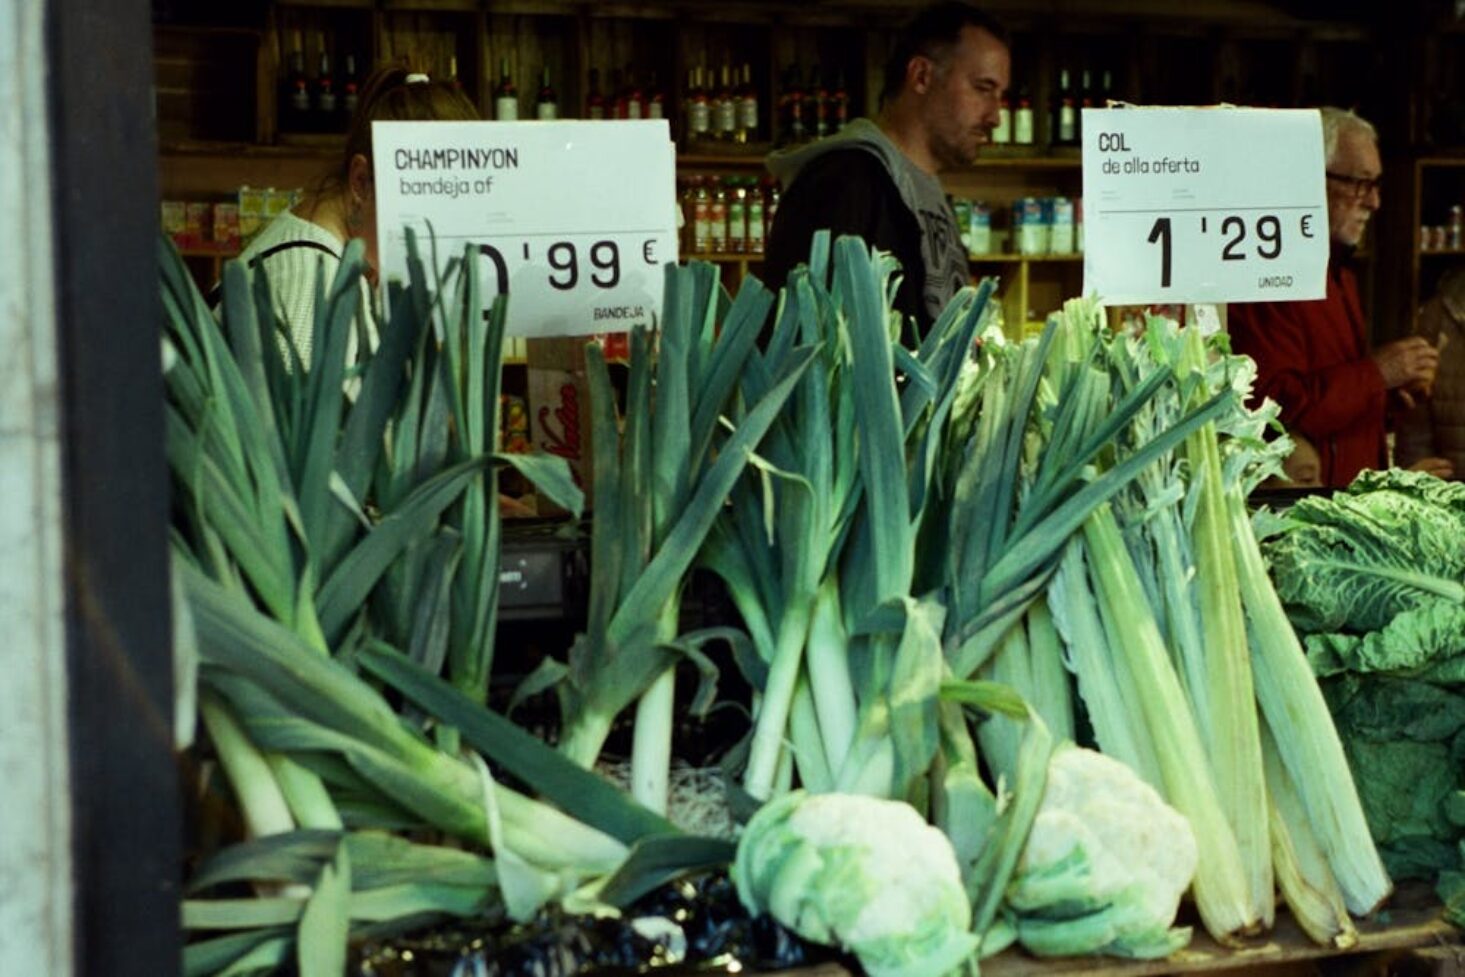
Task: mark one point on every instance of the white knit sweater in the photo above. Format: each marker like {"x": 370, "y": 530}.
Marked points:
{"x": 298, "y": 275}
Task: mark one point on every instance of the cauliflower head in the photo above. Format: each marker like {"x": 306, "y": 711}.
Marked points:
{"x": 1104, "y": 866}
{"x": 866, "y": 874}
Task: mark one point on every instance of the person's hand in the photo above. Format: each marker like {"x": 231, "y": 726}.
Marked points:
{"x": 1412, "y": 394}
{"x": 1408, "y": 362}
{"x": 1438, "y": 467}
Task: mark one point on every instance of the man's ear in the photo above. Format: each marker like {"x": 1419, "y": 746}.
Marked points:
{"x": 920, "y": 74}
{"x": 358, "y": 178}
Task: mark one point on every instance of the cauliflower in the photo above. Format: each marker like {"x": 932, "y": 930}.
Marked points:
{"x": 867, "y": 874}
{"x": 1105, "y": 864}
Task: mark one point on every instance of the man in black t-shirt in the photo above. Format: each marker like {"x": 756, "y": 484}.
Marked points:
{"x": 879, "y": 178}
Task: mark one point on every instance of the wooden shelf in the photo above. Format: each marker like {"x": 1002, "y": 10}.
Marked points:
{"x": 1028, "y": 162}
{"x": 725, "y": 257}
{"x": 1004, "y": 258}
{"x": 233, "y": 150}
{"x": 1412, "y": 921}
{"x": 700, "y": 158}
{"x": 339, "y": 4}
{"x": 1443, "y": 253}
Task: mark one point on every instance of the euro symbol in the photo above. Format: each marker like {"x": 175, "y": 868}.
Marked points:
{"x": 648, "y": 251}
{"x": 1306, "y": 219}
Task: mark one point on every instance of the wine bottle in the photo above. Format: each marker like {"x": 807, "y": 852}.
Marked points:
{"x": 505, "y": 95}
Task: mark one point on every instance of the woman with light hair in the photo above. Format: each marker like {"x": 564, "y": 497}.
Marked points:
{"x": 1436, "y": 427}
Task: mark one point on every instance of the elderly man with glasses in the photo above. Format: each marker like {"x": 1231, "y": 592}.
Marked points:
{"x": 1313, "y": 358}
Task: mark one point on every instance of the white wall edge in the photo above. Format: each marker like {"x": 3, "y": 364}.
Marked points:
{"x": 36, "y": 888}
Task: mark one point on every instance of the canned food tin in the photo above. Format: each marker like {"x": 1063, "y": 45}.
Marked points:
{"x": 1061, "y": 236}
{"x": 1030, "y": 226}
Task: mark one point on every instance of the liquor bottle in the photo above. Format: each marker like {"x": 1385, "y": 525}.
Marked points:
{"x": 838, "y": 103}
{"x": 816, "y": 104}
{"x": 635, "y": 97}
{"x": 547, "y": 104}
{"x": 615, "y": 107}
{"x": 505, "y": 95}
{"x": 755, "y": 217}
{"x": 453, "y": 78}
{"x": 594, "y": 101}
{"x": 1002, "y": 133}
{"x": 717, "y": 218}
{"x": 747, "y": 127}
{"x": 1065, "y": 129}
{"x": 701, "y": 217}
{"x": 350, "y": 89}
{"x": 1022, "y": 119}
{"x": 325, "y": 91}
{"x": 737, "y": 217}
{"x": 297, "y": 88}
{"x": 796, "y": 125}
{"x": 1087, "y": 99}
{"x": 655, "y": 100}
{"x": 699, "y": 112}
{"x": 725, "y": 108}
{"x": 771, "y": 209}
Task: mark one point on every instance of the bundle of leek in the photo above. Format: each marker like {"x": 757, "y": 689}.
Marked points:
{"x": 660, "y": 485}
{"x": 272, "y": 465}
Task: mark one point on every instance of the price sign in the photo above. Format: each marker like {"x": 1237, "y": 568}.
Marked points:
{"x": 572, "y": 220}
{"x": 1204, "y": 205}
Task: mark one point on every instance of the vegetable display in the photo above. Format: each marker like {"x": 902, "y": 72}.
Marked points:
{"x": 949, "y": 561}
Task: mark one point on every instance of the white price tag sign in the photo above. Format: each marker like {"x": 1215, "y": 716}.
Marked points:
{"x": 1204, "y": 205}
{"x": 573, "y": 220}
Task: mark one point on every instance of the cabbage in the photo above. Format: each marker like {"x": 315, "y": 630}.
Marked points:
{"x": 1374, "y": 579}
{"x": 1390, "y": 543}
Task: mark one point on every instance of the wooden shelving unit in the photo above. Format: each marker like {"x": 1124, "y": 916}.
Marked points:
{"x": 1219, "y": 49}
{"x": 1437, "y": 181}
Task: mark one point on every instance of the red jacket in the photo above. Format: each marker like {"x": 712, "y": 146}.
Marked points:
{"x": 1312, "y": 358}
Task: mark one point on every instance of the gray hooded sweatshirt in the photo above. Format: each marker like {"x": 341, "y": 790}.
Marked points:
{"x": 942, "y": 250}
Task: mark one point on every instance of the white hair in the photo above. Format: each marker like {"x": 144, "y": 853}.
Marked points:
{"x": 1335, "y": 120}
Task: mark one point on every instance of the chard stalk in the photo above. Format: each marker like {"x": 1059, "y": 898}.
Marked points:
{"x": 1234, "y": 740}
{"x": 1294, "y": 708}
{"x": 1221, "y": 891}
{"x": 1307, "y": 883}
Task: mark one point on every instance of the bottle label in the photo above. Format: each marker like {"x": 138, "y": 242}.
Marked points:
{"x": 633, "y": 109}
{"x": 701, "y": 118}
{"x": 755, "y": 228}
{"x": 546, "y": 111}
{"x": 1067, "y": 118}
{"x": 717, "y": 218}
{"x": 1022, "y": 127}
{"x": 727, "y": 116}
{"x": 597, "y": 111}
{"x": 655, "y": 111}
{"x": 737, "y": 225}
{"x": 506, "y": 109}
{"x": 748, "y": 113}
{"x": 1003, "y": 132}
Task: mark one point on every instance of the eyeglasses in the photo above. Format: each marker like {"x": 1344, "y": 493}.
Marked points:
{"x": 1357, "y": 185}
